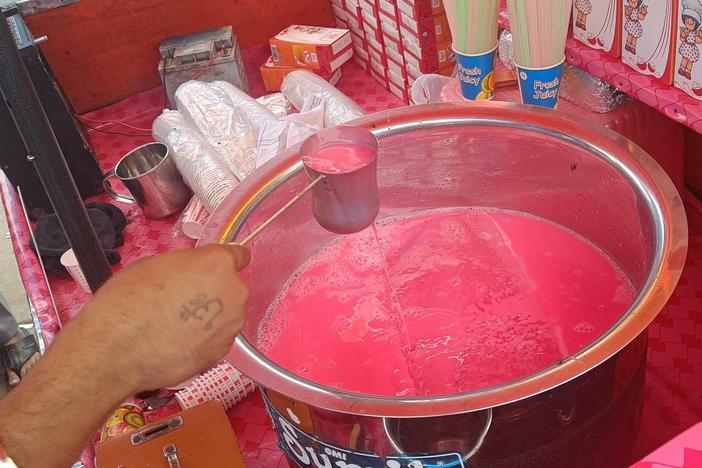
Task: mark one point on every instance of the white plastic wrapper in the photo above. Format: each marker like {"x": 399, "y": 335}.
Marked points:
{"x": 577, "y": 86}
{"x": 277, "y": 135}
{"x": 299, "y": 85}
{"x": 252, "y": 110}
{"x": 427, "y": 88}
{"x": 229, "y": 119}
{"x": 197, "y": 161}
{"x": 277, "y": 104}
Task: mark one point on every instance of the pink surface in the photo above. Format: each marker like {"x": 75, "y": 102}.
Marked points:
{"x": 339, "y": 159}
{"x": 674, "y": 371}
{"x": 684, "y": 451}
{"x": 659, "y": 136}
{"x": 443, "y": 302}
{"x": 671, "y": 101}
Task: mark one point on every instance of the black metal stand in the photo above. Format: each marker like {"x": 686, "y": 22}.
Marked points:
{"x": 46, "y": 156}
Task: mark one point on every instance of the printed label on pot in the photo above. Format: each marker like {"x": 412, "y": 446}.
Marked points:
{"x": 308, "y": 451}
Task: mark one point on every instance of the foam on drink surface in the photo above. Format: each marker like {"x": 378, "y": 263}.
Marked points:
{"x": 339, "y": 158}
{"x": 442, "y": 302}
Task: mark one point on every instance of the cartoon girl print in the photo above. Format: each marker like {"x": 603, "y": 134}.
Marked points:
{"x": 635, "y": 12}
{"x": 584, "y": 8}
{"x": 690, "y": 36}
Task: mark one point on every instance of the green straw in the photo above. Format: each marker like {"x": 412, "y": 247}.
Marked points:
{"x": 473, "y": 24}
{"x": 539, "y": 29}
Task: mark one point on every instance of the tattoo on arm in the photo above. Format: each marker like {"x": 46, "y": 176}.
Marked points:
{"x": 202, "y": 308}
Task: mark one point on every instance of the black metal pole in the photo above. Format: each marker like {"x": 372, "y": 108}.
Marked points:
{"x": 45, "y": 154}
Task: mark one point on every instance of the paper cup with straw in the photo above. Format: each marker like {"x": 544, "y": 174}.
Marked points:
{"x": 539, "y": 29}
{"x": 473, "y": 26}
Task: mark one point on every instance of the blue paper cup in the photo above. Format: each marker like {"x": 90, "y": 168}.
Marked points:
{"x": 476, "y": 73}
{"x": 540, "y": 86}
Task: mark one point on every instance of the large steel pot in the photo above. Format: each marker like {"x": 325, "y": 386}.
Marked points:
{"x": 583, "y": 411}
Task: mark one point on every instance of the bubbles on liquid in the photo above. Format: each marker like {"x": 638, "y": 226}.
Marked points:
{"x": 584, "y": 327}
{"x": 487, "y": 333}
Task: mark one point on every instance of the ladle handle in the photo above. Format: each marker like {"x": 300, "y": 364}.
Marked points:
{"x": 282, "y": 210}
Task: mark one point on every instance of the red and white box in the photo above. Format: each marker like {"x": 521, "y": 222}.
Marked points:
{"x": 340, "y": 17}
{"x": 365, "y": 64}
{"x": 339, "y": 3}
{"x": 311, "y": 47}
{"x": 427, "y": 31}
{"x": 431, "y": 58}
{"x": 369, "y": 7}
{"x": 353, "y": 14}
{"x": 389, "y": 21}
{"x": 421, "y": 9}
{"x": 375, "y": 43}
{"x": 371, "y": 25}
{"x": 398, "y": 68}
{"x": 379, "y": 73}
{"x": 356, "y": 27}
{"x": 359, "y": 41}
{"x": 393, "y": 48}
{"x": 361, "y": 53}
{"x": 377, "y": 56}
{"x": 388, "y": 9}
{"x": 390, "y": 31}
{"x": 398, "y": 86}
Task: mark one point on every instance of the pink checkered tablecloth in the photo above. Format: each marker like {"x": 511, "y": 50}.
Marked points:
{"x": 674, "y": 374}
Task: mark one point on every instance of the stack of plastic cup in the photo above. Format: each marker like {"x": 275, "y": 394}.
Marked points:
{"x": 539, "y": 29}
{"x": 473, "y": 26}
{"x": 223, "y": 382}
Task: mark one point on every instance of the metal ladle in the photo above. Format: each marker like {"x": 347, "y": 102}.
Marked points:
{"x": 342, "y": 202}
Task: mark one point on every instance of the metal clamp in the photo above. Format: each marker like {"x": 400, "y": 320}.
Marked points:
{"x": 479, "y": 443}
{"x": 171, "y": 454}
{"x": 153, "y": 432}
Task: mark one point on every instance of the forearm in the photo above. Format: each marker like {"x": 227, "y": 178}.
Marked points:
{"x": 48, "y": 419}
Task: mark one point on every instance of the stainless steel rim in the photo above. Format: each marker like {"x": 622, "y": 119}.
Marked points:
{"x": 637, "y": 317}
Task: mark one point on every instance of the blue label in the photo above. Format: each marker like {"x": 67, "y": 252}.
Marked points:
{"x": 540, "y": 87}
{"x": 476, "y": 73}
{"x": 309, "y": 452}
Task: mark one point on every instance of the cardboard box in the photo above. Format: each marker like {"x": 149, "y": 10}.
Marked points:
{"x": 362, "y": 53}
{"x": 413, "y": 72}
{"x": 399, "y": 91}
{"x": 398, "y": 68}
{"x": 369, "y": 7}
{"x": 356, "y": 27}
{"x": 377, "y": 56}
{"x": 358, "y": 40}
{"x": 311, "y": 47}
{"x": 393, "y": 53}
{"x": 340, "y": 14}
{"x": 379, "y": 73}
{"x": 436, "y": 26}
{"x": 390, "y": 31}
{"x": 596, "y": 24}
{"x": 421, "y": 9}
{"x": 388, "y": 9}
{"x": 687, "y": 72}
{"x": 339, "y": 3}
{"x": 431, "y": 58}
{"x": 392, "y": 44}
{"x": 362, "y": 62}
{"x": 375, "y": 42}
{"x": 273, "y": 75}
{"x": 353, "y": 12}
{"x": 648, "y": 46}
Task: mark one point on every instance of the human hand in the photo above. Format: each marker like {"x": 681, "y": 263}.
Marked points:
{"x": 164, "y": 319}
